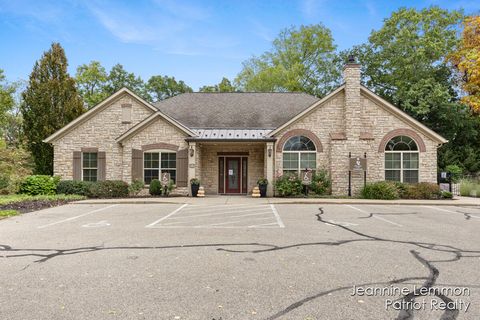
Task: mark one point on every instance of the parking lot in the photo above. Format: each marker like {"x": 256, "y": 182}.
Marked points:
{"x": 245, "y": 260}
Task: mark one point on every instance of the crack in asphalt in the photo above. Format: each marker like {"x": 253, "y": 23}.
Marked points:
{"x": 46, "y": 254}
{"x": 406, "y": 313}
{"x": 387, "y": 214}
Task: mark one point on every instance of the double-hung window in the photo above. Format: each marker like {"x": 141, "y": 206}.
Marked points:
{"x": 89, "y": 166}
{"x": 157, "y": 162}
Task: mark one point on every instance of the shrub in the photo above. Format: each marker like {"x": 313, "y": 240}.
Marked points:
{"x": 39, "y": 184}
{"x": 423, "y": 190}
{"x": 194, "y": 182}
{"x": 15, "y": 166}
{"x": 383, "y": 190}
{"x": 469, "y": 188}
{"x": 447, "y": 195}
{"x": 136, "y": 187}
{"x": 74, "y": 187}
{"x": 455, "y": 171}
{"x": 4, "y": 184}
{"x": 155, "y": 187}
{"x": 262, "y": 181}
{"x": 321, "y": 183}
{"x": 402, "y": 189}
{"x": 288, "y": 185}
{"x": 108, "y": 189}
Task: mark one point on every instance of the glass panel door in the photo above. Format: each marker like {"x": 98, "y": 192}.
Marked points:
{"x": 233, "y": 175}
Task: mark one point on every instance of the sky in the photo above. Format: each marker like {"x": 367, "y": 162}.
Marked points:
{"x": 198, "y": 42}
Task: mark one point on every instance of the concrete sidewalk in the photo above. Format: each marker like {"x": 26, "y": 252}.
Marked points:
{"x": 218, "y": 200}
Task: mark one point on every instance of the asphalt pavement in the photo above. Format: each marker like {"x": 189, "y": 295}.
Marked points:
{"x": 245, "y": 260}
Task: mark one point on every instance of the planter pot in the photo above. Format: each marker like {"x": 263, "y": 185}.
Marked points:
{"x": 195, "y": 188}
{"x": 263, "y": 190}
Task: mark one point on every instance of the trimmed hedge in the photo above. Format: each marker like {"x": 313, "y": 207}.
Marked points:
{"x": 382, "y": 190}
{"x": 389, "y": 190}
{"x": 39, "y": 184}
{"x": 74, "y": 187}
{"x": 108, "y": 189}
{"x": 98, "y": 189}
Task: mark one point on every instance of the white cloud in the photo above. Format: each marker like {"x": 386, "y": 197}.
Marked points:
{"x": 166, "y": 27}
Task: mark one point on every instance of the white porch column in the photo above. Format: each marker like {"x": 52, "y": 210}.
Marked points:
{"x": 269, "y": 164}
{"x": 192, "y": 150}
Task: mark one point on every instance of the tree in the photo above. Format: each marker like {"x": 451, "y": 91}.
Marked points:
{"x": 91, "y": 80}
{"x": 119, "y": 78}
{"x": 6, "y": 99}
{"x": 302, "y": 59}
{"x": 12, "y": 126}
{"x": 467, "y": 60}
{"x": 163, "y": 87}
{"x": 51, "y": 100}
{"x": 404, "y": 61}
{"x": 224, "y": 86}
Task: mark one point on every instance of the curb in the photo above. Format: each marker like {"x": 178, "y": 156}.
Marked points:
{"x": 393, "y": 202}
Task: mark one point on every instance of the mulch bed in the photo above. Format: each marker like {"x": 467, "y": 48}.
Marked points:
{"x": 34, "y": 205}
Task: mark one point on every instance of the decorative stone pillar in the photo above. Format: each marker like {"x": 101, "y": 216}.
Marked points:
{"x": 192, "y": 150}
{"x": 269, "y": 166}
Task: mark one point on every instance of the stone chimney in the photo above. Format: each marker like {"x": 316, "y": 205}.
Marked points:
{"x": 353, "y": 110}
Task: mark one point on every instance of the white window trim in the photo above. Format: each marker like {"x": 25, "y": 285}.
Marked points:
{"x": 299, "y": 168}
{"x": 159, "y": 151}
{"x": 89, "y": 168}
{"x": 401, "y": 169}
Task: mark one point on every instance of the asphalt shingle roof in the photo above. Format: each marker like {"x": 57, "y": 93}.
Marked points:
{"x": 235, "y": 109}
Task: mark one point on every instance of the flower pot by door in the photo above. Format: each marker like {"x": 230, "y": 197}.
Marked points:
{"x": 263, "y": 190}
{"x": 195, "y": 188}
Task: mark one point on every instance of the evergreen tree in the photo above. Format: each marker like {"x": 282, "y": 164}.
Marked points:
{"x": 51, "y": 101}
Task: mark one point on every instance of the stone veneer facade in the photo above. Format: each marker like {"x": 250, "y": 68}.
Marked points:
{"x": 353, "y": 120}
{"x": 100, "y": 131}
{"x": 209, "y": 159}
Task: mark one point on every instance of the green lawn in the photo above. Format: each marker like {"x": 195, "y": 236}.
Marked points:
{"x": 14, "y": 198}
{"x": 8, "y": 213}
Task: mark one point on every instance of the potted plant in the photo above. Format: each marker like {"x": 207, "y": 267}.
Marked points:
{"x": 262, "y": 185}
{"x": 195, "y": 185}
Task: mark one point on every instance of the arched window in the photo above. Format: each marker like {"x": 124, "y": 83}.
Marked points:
{"x": 401, "y": 160}
{"x": 299, "y": 153}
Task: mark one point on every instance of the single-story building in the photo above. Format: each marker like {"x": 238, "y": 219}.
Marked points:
{"x": 229, "y": 140}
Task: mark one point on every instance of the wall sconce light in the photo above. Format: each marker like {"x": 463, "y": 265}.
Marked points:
{"x": 192, "y": 152}
{"x": 270, "y": 150}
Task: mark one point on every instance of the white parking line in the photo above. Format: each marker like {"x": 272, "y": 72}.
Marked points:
{"x": 440, "y": 209}
{"x": 76, "y": 217}
{"x": 374, "y": 216}
{"x": 167, "y": 216}
{"x": 217, "y": 209}
{"x": 277, "y": 216}
{"x": 450, "y": 211}
{"x": 212, "y": 214}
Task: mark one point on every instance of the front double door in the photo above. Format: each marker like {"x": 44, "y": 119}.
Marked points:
{"x": 234, "y": 175}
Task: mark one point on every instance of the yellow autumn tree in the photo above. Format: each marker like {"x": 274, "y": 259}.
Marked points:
{"x": 467, "y": 61}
